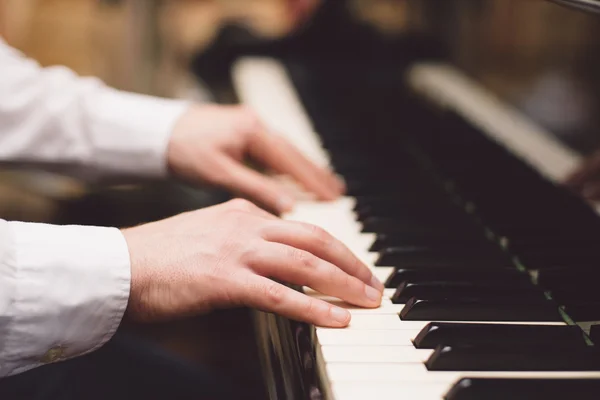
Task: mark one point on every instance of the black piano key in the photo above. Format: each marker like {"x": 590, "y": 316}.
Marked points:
{"x": 582, "y": 312}
{"x": 384, "y": 241}
{"x": 376, "y": 202}
{"x": 529, "y": 357}
{"x": 576, "y": 293}
{"x": 472, "y": 249}
{"x": 410, "y": 211}
{"x": 553, "y": 259}
{"x": 595, "y": 334}
{"x": 383, "y": 188}
{"x": 506, "y": 275}
{"x": 446, "y": 262}
{"x": 437, "y": 334}
{"x": 457, "y": 290}
{"x": 570, "y": 274}
{"x": 398, "y": 256}
{"x": 417, "y": 227}
{"x": 524, "y": 389}
{"x": 502, "y": 310}
{"x": 396, "y": 208}
{"x": 554, "y": 238}
{"x": 545, "y": 232}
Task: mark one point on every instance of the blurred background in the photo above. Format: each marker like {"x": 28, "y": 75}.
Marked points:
{"x": 171, "y": 48}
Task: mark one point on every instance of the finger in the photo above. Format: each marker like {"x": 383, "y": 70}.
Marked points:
{"x": 245, "y": 205}
{"x": 591, "y": 191}
{"x": 248, "y": 182}
{"x": 588, "y": 171}
{"x": 270, "y": 296}
{"x": 300, "y": 267}
{"x": 277, "y": 153}
{"x": 321, "y": 244}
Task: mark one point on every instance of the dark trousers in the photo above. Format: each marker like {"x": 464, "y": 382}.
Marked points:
{"x": 125, "y": 368}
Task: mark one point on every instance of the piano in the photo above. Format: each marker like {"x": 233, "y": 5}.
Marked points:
{"x": 454, "y": 133}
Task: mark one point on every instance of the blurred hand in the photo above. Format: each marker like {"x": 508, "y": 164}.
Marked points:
{"x": 301, "y": 10}
{"x": 223, "y": 256}
{"x": 586, "y": 179}
{"x": 209, "y": 144}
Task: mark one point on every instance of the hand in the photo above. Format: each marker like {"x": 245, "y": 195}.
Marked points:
{"x": 224, "y": 256}
{"x": 301, "y": 10}
{"x": 585, "y": 181}
{"x": 209, "y": 143}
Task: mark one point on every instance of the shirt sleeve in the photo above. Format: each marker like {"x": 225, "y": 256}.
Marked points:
{"x": 51, "y": 116}
{"x": 63, "y": 291}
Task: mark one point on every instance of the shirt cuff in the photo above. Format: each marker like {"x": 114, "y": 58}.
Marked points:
{"x": 130, "y": 132}
{"x": 67, "y": 289}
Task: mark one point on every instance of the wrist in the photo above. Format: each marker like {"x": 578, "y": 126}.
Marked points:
{"x": 140, "y": 273}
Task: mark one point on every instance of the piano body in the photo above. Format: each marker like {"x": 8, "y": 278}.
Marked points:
{"x": 453, "y": 125}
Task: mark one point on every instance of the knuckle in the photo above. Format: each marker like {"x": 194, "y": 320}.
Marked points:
{"x": 241, "y": 205}
{"x": 303, "y": 258}
{"x": 250, "y": 252}
{"x": 274, "y": 294}
{"x": 346, "y": 281}
{"x": 320, "y": 234}
{"x": 359, "y": 270}
{"x": 310, "y": 309}
{"x": 249, "y": 120}
{"x": 334, "y": 274}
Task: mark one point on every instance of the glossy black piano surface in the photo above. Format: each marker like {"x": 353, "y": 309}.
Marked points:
{"x": 539, "y": 57}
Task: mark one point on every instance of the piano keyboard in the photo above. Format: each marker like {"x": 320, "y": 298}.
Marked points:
{"x": 458, "y": 320}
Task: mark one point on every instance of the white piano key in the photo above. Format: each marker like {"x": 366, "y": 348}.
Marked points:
{"x": 263, "y": 84}
{"x": 369, "y": 239}
{"x": 386, "y": 307}
{"x": 399, "y": 372}
{"x": 397, "y": 334}
{"x": 374, "y": 356}
{"x": 389, "y": 391}
{"x": 337, "y": 219}
{"x": 346, "y": 337}
{"x": 387, "y": 294}
{"x": 378, "y": 372}
{"x": 369, "y": 321}
{"x": 383, "y": 273}
{"x": 374, "y": 353}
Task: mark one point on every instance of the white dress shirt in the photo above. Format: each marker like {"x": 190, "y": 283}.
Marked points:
{"x": 64, "y": 289}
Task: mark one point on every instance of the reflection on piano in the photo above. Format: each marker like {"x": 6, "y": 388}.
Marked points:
{"x": 454, "y": 199}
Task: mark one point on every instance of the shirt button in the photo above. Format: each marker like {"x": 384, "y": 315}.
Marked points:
{"x": 53, "y": 355}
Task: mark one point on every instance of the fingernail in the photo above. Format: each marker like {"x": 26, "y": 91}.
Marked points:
{"x": 372, "y": 294}
{"x": 376, "y": 283}
{"x": 285, "y": 203}
{"x": 340, "y": 315}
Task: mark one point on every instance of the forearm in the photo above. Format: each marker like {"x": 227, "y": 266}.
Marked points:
{"x": 52, "y": 116}
{"x": 63, "y": 291}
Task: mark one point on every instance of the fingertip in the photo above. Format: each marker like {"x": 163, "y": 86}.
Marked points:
{"x": 373, "y": 295}
{"x": 336, "y": 186}
{"x": 285, "y": 204}
{"x": 376, "y": 283}
{"x": 331, "y": 192}
{"x": 591, "y": 192}
{"x": 340, "y": 316}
